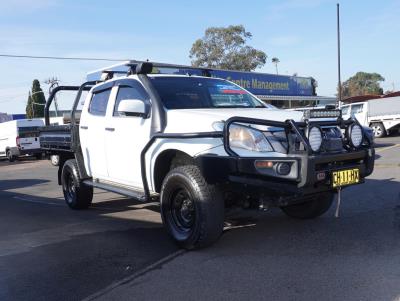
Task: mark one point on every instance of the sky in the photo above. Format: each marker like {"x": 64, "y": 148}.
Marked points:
{"x": 302, "y": 34}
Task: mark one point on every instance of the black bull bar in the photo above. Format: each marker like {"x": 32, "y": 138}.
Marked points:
{"x": 233, "y": 162}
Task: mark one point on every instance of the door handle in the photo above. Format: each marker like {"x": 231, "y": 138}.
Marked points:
{"x": 110, "y": 129}
{"x": 84, "y": 127}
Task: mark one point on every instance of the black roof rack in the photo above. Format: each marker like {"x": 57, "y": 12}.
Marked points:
{"x": 109, "y": 74}
{"x": 146, "y": 67}
{"x": 140, "y": 67}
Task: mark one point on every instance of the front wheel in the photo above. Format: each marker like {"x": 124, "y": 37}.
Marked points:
{"x": 378, "y": 129}
{"x": 76, "y": 194}
{"x": 312, "y": 208}
{"x": 192, "y": 210}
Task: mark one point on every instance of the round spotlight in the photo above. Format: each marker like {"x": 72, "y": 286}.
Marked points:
{"x": 355, "y": 135}
{"x": 283, "y": 168}
{"x": 315, "y": 138}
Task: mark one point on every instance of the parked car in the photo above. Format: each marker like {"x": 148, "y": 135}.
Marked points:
{"x": 198, "y": 145}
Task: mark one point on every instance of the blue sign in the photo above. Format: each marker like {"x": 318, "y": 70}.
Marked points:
{"x": 18, "y": 116}
{"x": 258, "y": 83}
{"x": 268, "y": 84}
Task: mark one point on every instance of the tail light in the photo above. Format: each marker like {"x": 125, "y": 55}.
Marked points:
{"x": 17, "y": 141}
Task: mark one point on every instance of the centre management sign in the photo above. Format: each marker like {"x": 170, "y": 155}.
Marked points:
{"x": 260, "y": 83}
{"x": 268, "y": 84}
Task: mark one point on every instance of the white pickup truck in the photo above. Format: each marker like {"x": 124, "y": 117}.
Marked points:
{"x": 382, "y": 115}
{"x": 198, "y": 145}
{"x": 20, "y": 138}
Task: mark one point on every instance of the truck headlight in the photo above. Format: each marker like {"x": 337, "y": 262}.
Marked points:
{"x": 248, "y": 138}
{"x": 315, "y": 138}
{"x": 355, "y": 135}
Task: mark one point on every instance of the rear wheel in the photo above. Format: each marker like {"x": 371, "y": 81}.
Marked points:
{"x": 312, "y": 208}
{"x": 76, "y": 194}
{"x": 55, "y": 160}
{"x": 192, "y": 210}
{"x": 10, "y": 156}
{"x": 38, "y": 156}
{"x": 378, "y": 129}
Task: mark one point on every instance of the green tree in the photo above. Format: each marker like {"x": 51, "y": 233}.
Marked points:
{"x": 276, "y": 61}
{"x": 363, "y": 83}
{"x": 29, "y": 108}
{"x": 225, "y": 48}
{"x": 36, "y": 101}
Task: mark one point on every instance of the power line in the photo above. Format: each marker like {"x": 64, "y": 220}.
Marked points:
{"x": 61, "y": 58}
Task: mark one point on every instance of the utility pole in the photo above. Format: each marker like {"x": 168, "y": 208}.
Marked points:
{"x": 53, "y": 82}
{"x": 339, "y": 101}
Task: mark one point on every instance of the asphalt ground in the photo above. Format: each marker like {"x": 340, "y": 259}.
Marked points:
{"x": 118, "y": 250}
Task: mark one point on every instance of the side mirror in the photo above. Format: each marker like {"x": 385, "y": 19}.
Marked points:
{"x": 133, "y": 107}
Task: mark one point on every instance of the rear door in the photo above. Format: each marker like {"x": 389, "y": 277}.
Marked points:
{"x": 126, "y": 136}
{"x": 28, "y": 137}
{"x": 92, "y": 133}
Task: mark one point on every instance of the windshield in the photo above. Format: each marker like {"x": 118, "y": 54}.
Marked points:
{"x": 198, "y": 93}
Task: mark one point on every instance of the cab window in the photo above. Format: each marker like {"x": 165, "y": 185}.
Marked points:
{"x": 98, "y": 103}
{"x": 356, "y": 109}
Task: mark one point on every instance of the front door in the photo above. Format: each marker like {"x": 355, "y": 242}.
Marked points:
{"x": 359, "y": 112}
{"x": 126, "y": 136}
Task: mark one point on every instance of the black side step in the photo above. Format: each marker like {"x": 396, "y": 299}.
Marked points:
{"x": 138, "y": 195}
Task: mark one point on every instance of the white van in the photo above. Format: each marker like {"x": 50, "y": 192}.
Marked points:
{"x": 20, "y": 137}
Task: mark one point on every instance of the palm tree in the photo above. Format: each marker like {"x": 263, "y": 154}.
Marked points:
{"x": 275, "y": 61}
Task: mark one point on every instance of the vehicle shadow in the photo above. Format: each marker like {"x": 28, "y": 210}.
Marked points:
{"x": 123, "y": 203}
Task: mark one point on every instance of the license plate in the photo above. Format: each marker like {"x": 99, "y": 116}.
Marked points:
{"x": 345, "y": 177}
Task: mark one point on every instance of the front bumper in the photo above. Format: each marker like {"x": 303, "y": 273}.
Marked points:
{"x": 233, "y": 169}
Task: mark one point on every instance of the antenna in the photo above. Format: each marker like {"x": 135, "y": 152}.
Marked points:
{"x": 339, "y": 100}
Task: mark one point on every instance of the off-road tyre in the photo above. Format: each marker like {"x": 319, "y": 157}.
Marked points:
{"x": 192, "y": 210}
{"x": 312, "y": 208}
{"x": 76, "y": 194}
